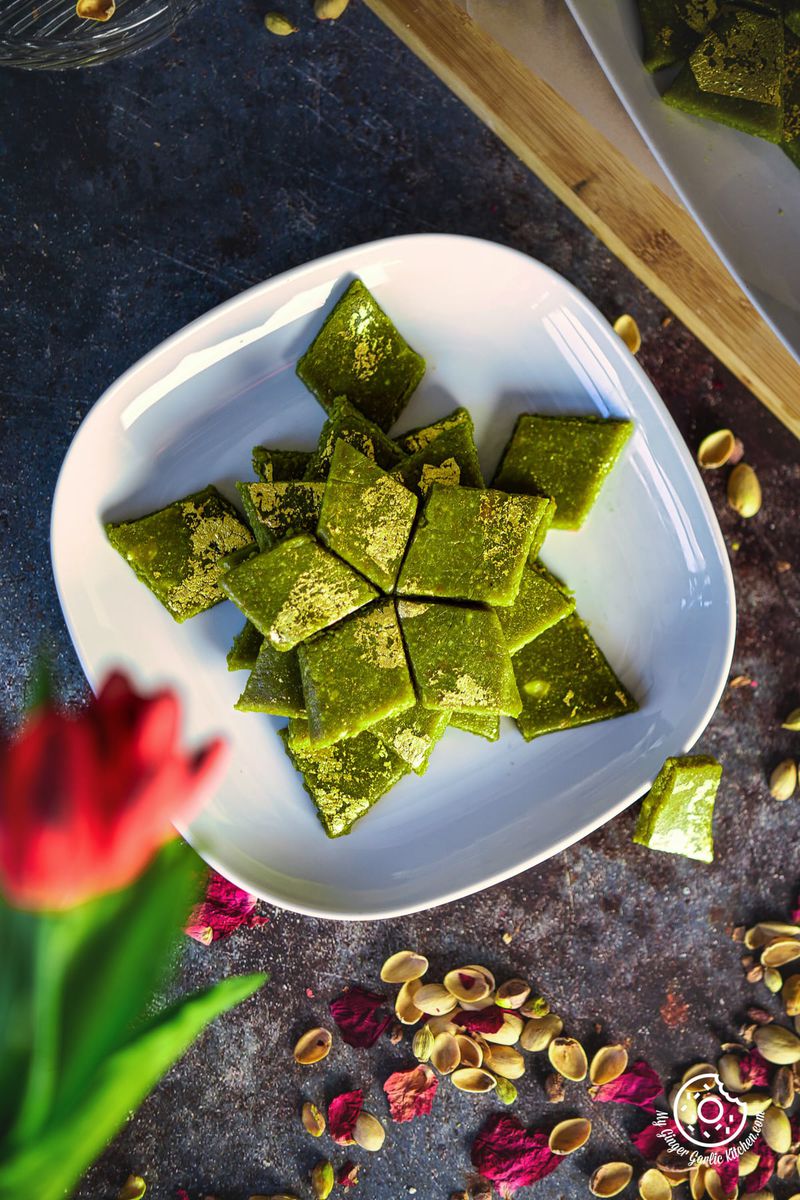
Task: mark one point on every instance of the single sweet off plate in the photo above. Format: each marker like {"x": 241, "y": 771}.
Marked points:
{"x": 501, "y": 335}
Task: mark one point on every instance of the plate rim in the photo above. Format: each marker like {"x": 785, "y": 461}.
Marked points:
{"x": 173, "y": 344}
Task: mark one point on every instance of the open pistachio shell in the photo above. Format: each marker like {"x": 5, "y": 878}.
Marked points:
{"x": 568, "y": 1057}
{"x": 747, "y": 1163}
{"x": 512, "y": 994}
{"x": 467, "y": 984}
{"x": 568, "y": 1136}
{"x": 404, "y": 965}
{"x": 470, "y": 1051}
{"x": 608, "y": 1064}
{"x": 780, "y": 951}
{"x": 758, "y": 935}
{"x": 687, "y": 1106}
{"x": 313, "y": 1046}
{"x": 756, "y": 1102}
{"x": 790, "y": 994}
{"x": 435, "y": 1000}
{"x": 697, "y": 1181}
{"x": 405, "y": 1009}
{"x": 445, "y": 1055}
{"x": 654, "y": 1186}
{"x": 509, "y": 1032}
{"x": 716, "y": 449}
{"x": 610, "y": 1179}
{"x": 782, "y": 1088}
{"x": 368, "y": 1133}
{"x": 731, "y": 1075}
{"x": 626, "y": 328}
{"x": 778, "y": 1045}
{"x": 701, "y": 1068}
{"x": 777, "y": 1130}
{"x": 716, "y": 1188}
{"x": 505, "y": 1061}
{"x": 473, "y": 1079}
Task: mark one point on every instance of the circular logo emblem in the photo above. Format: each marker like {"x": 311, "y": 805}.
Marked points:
{"x": 706, "y": 1115}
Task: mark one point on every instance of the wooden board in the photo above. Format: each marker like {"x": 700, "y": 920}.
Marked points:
{"x": 652, "y": 234}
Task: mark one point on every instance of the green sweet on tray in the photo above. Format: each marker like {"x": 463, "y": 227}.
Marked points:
{"x": 280, "y": 466}
{"x": 177, "y": 552}
{"x": 672, "y": 28}
{"x": 366, "y": 516}
{"x": 565, "y": 457}
{"x": 355, "y": 674}
{"x": 541, "y": 601}
{"x": 417, "y": 439}
{"x": 244, "y": 651}
{"x": 459, "y": 658}
{"x": 274, "y": 685}
{"x": 734, "y": 75}
{"x": 449, "y": 458}
{"x": 345, "y": 423}
{"x": 345, "y": 780}
{"x": 295, "y": 590}
{"x": 360, "y": 354}
{"x": 280, "y": 510}
{"x": 412, "y": 735}
{"x": 677, "y": 813}
{"x": 471, "y": 544}
{"x": 565, "y": 681}
{"x": 485, "y": 725}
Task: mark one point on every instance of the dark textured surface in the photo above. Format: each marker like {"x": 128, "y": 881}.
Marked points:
{"x": 133, "y": 199}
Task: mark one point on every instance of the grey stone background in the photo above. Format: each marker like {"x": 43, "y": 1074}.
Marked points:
{"x": 137, "y": 196}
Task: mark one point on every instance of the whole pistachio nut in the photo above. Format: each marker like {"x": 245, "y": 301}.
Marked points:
{"x": 744, "y": 490}
{"x": 277, "y": 23}
{"x": 313, "y": 1046}
{"x": 778, "y": 1045}
{"x": 610, "y": 1179}
{"x": 783, "y": 780}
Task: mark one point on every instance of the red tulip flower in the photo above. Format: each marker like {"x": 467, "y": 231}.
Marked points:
{"x": 86, "y": 799}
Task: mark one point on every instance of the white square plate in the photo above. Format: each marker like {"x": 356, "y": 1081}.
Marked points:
{"x": 502, "y": 335}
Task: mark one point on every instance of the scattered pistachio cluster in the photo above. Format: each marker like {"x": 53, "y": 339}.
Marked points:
{"x": 324, "y": 10}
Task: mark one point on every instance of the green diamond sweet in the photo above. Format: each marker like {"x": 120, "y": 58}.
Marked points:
{"x": 565, "y": 681}
{"x": 672, "y": 28}
{"x": 244, "y": 651}
{"x": 417, "y": 439}
{"x": 541, "y": 602}
{"x": 449, "y": 458}
{"x": 366, "y": 516}
{"x": 458, "y": 657}
{"x": 677, "y": 813}
{"x": 177, "y": 551}
{"x": 280, "y": 510}
{"x": 295, "y": 590}
{"x": 355, "y": 674}
{"x": 345, "y": 423}
{"x": 413, "y": 734}
{"x": 734, "y": 75}
{"x": 360, "y": 354}
{"x": 485, "y": 725}
{"x": 345, "y": 780}
{"x": 565, "y": 457}
{"x": 274, "y": 685}
{"x": 280, "y": 466}
{"x": 471, "y": 544}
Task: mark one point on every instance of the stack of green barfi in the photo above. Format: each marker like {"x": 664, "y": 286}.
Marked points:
{"x": 738, "y": 62}
{"x": 387, "y": 591}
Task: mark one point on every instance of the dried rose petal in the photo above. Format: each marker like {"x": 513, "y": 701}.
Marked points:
{"x": 224, "y": 909}
{"x": 648, "y": 1141}
{"x": 343, "y": 1112}
{"x": 181, "y": 1194}
{"x": 356, "y": 1012}
{"x": 759, "y": 1178}
{"x": 754, "y": 1069}
{"x": 728, "y": 1172}
{"x": 728, "y": 1116}
{"x": 347, "y": 1176}
{"x": 410, "y": 1093}
{"x": 794, "y": 915}
{"x": 638, "y": 1085}
{"x": 505, "y": 1152}
{"x": 484, "y": 1020}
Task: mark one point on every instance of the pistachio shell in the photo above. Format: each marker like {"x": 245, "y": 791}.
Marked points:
{"x": 744, "y": 493}
{"x": 435, "y": 1000}
{"x": 761, "y": 1194}
{"x": 701, "y": 1068}
{"x": 731, "y": 1076}
{"x": 610, "y": 1179}
{"x": 329, "y": 10}
{"x": 748, "y": 1162}
{"x": 444, "y": 1024}
{"x": 777, "y": 1130}
{"x": 322, "y": 1180}
{"x": 653, "y": 1186}
{"x": 697, "y": 1181}
{"x": 422, "y": 1045}
{"x": 716, "y": 449}
{"x": 487, "y": 974}
{"x": 504, "y": 1090}
{"x": 509, "y": 1032}
{"x": 568, "y": 1136}
{"x": 608, "y": 1064}
{"x": 467, "y": 984}
{"x": 790, "y": 994}
{"x": 368, "y": 1133}
{"x": 568, "y": 1057}
{"x": 277, "y": 23}
{"x": 313, "y": 1120}
{"x": 773, "y": 980}
{"x": 626, "y": 328}
{"x": 473, "y": 1079}
{"x": 133, "y": 1188}
{"x": 759, "y": 935}
{"x": 95, "y": 10}
{"x": 780, "y": 951}
{"x": 792, "y": 721}
{"x": 715, "y": 1187}
{"x": 470, "y": 1051}
{"x": 445, "y": 1055}
{"x": 783, "y": 780}
{"x": 313, "y": 1046}
{"x": 782, "y": 1087}
{"x": 476, "y": 1005}
{"x": 539, "y": 1032}
{"x": 405, "y": 1008}
{"x": 505, "y": 1061}
{"x": 778, "y": 1045}
{"x": 786, "y": 1166}
{"x": 535, "y": 1006}
{"x": 512, "y": 994}
{"x": 404, "y": 965}
{"x": 756, "y": 1102}
{"x": 687, "y": 1108}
